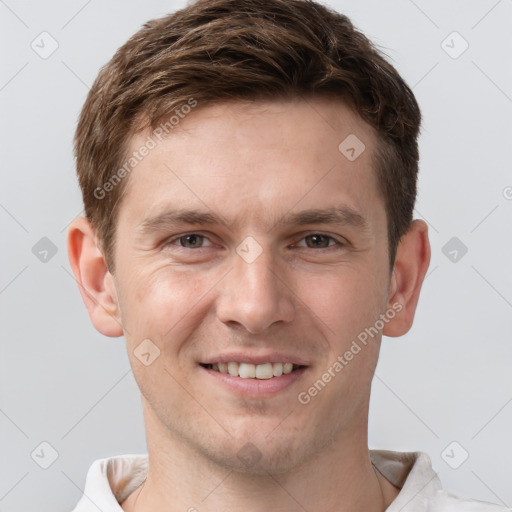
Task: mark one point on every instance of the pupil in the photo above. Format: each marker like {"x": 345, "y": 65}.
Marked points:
{"x": 192, "y": 240}
{"x": 318, "y": 240}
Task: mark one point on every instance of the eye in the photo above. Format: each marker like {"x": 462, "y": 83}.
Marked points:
{"x": 191, "y": 241}
{"x": 318, "y": 241}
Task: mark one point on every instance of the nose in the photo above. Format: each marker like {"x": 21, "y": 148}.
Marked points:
{"x": 253, "y": 296}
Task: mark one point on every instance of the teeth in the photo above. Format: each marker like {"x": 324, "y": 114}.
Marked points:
{"x": 233, "y": 369}
{"x": 264, "y": 371}
{"x": 278, "y": 369}
{"x": 247, "y": 371}
{"x": 251, "y": 371}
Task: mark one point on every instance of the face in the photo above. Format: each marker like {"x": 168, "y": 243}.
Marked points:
{"x": 248, "y": 243}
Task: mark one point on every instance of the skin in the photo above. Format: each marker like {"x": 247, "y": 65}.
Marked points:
{"x": 305, "y": 296}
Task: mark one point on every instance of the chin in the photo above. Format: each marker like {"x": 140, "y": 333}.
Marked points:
{"x": 256, "y": 453}
{"x": 251, "y": 460}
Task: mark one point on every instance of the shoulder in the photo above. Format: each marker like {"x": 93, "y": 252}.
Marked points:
{"x": 444, "y": 501}
{"x": 110, "y": 480}
{"x": 420, "y": 487}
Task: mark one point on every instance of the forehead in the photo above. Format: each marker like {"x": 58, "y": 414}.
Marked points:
{"x": 255, "y": 161}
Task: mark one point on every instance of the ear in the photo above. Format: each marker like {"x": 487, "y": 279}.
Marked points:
{"x": 95, "y": 282}
{"x": 411, "y": 264}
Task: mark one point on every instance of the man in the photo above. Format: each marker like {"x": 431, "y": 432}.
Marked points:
{"x": 249, "y": 170}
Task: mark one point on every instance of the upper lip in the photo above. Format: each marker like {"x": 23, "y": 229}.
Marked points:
{"x": 245, "y": 357}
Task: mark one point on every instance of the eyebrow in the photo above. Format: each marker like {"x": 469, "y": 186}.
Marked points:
{"x": 341, "y": 215}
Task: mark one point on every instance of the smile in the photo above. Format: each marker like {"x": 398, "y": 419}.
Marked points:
{"x": 263, "y": 371}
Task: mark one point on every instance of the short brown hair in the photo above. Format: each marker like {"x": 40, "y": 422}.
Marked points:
{"x": 223, "y": 50}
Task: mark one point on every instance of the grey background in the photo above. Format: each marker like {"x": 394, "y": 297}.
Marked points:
{"x": 449, "y": 379}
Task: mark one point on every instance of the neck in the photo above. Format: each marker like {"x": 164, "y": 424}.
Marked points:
{"x": 341, "y": 478}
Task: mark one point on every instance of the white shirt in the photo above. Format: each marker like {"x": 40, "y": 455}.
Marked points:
{"x": 110, "y": 481}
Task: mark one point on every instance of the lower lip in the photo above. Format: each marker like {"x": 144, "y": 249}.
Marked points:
{"x": 256, "y": 387}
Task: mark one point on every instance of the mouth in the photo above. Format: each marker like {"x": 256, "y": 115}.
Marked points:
{"x": 264, "y": 371}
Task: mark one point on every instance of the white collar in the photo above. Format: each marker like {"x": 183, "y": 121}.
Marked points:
{"x": 111, "y": 480}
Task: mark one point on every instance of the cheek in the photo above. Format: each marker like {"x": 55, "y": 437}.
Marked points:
{"x": 166, "y": 302}
{"x": 346, "y": 300}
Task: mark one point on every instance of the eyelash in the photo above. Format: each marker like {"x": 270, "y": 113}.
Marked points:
{"x": 204, "y": 237}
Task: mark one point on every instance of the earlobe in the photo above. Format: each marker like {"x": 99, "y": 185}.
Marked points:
{"x": 95, "y": 282}
{"x": 411, "y": 264}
